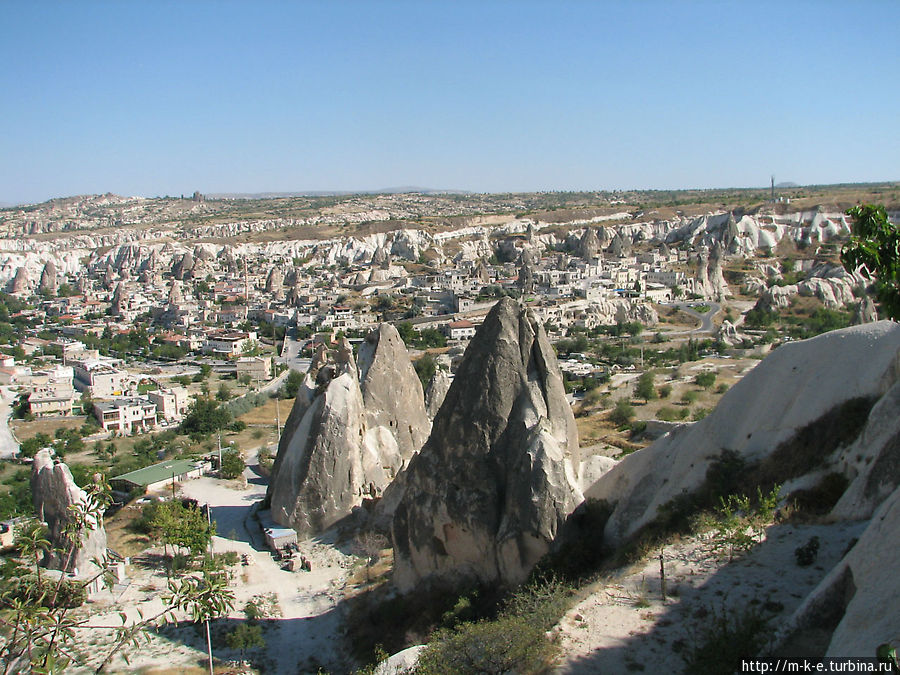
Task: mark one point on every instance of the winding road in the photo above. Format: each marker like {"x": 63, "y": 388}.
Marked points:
{"x": 706, "y": 319}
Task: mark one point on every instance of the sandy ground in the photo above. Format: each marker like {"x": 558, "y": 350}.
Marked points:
{"x": 624, "y": 626}
{"x": 306, "y": 634}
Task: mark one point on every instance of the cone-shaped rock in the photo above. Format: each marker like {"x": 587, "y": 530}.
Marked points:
{"x": 20, "y": 283}
{"x": 344, "y": 442}
{"x": 590, "y": 245}
{"x": 488, "y": 492}
{"x": 53, "y": 491}
{"x": 48, "y": 283}
{"x": 392, "y": 392}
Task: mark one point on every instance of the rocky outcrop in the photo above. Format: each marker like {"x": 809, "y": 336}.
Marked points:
{"x": 589, "y": 246}
{"x": 349, "y": 433}
{"x": 392, "y": 393}
{"x": 20, "y": 284}
{"x": 865, "y": 311}
{"x": 437, "y": 391}
{"x": 492, "y": 486}
{"x": 274, "y": 281}
{"x": 806, "y": 384}
{"x": 856, "y": 603}
{"x": 53, "y": 492}
{"x": 611, "y": 311}
{"x": 48, "y": 283}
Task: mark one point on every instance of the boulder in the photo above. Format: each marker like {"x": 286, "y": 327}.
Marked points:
{"x": 487, "y": 494}
{"x": 53, "y": 492}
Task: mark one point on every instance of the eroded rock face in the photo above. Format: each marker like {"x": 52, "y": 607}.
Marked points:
{"x": 20, "y": 283}
{"x": 48, "y": 283}
{"x": 53, "y": 491}
{"x": 487, "y": 494}
{"x": 391, "y": 390}
{"x": 437, "y": 391}
{"x": 798, "y": 385}
{"x": 350, "y": 432}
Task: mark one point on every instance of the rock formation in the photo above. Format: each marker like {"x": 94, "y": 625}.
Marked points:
{"x": 437, "y": 391}
{"x": 486, "y": 495}
{"x": 589, "y": 245}
{"x": 814, "y": 382}
{"x": 48, "y": 282}
{"x": 620, "y": 247}
{"x": 183, "y": 269}
{"x": 392, "y": 393}
{"x": 20, "y": 284}
{"x": 53, "y": 491}
{"x": 349, "y": 433}
{"x": 275, "y": 280}
{"x": 865, "y": 311}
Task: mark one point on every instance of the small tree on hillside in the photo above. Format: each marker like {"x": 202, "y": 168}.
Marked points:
{"x": 644, "y": 388}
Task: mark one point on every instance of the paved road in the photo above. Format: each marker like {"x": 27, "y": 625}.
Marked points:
{"x": 290, "y": 353}
{"x": 706, "y": 323}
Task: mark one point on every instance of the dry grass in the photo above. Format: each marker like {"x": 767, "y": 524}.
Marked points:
{"x": 48, "y": 425}
{"x": 120, "y": 538}
{"x": 265, "y": 414}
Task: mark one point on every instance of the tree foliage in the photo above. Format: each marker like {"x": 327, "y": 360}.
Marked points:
{"x": 874, "y": 250}
{"x": 644, "y": 388}
{"x": 182, "y": 526}
{"x": 204, "y": 417}
{"x": 232, "y": 464}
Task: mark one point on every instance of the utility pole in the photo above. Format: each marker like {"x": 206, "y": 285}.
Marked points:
{"x": 277, "y": 420}
{"x": 219, "y": 437}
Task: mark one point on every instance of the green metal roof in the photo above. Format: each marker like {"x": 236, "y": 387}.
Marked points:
{"x": 158, "y": 472}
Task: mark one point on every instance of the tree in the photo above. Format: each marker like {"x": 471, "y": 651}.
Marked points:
{"x": 644, "y": 388}
{"x": 224, "y": 392}
{"x": 622, "y": 413}
{"x": 232, "y": 464}
{"x": 33, "y": 542}
{"x": 245, "y": 636}
{"x": 291, "y": 384}
{"x": 874, "y": 251}
{"x": 705, "y": 379}
{"x": 205, "y": 417}
{"x": 182, "y": 526}
{"x": 425, "y": 368}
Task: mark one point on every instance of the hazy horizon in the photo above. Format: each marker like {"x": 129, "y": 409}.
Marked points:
{"x": 491, "y": 97}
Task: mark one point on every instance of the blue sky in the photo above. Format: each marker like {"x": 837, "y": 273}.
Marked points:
{"x": 153, "y": 98}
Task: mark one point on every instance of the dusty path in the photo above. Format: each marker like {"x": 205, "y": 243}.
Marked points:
{"x": 304, "y": 634}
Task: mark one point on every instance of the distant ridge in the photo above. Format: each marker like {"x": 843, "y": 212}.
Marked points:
{"x": 335, "y": 193}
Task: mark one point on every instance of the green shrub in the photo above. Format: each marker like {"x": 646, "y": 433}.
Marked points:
{"x": 667, "y": 414}
{"x": 705, "y": 379}
{"x": 508, "y": 644}
{"x": 729, "y": 637}
{"x": 622, "y": 413}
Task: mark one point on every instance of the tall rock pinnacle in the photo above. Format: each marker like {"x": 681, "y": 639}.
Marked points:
{"x": 488, "y": 492}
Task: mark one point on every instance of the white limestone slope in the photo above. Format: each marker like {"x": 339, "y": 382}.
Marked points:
{"x": 795, "y": 385}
